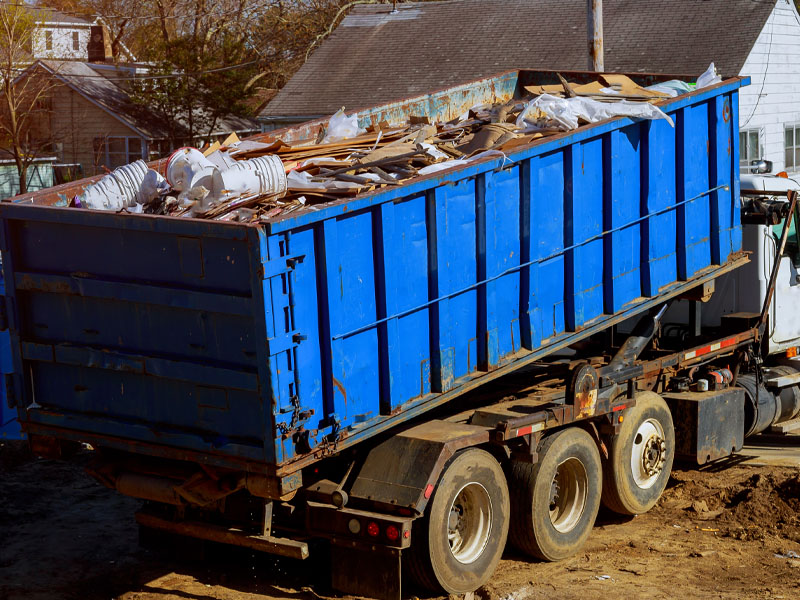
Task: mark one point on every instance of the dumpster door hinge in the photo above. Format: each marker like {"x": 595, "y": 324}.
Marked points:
{"x": 11, "y": 390}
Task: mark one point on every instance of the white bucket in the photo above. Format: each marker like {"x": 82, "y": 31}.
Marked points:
{"x": 261, "y": 176}
{"x": 187, "y": 168}
{"x": 119, "y": 189}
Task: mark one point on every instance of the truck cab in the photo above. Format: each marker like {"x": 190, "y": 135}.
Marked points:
{"x": 744, "y": 291}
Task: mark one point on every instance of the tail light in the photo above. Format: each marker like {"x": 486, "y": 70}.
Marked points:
{"x": 372, "y": 529}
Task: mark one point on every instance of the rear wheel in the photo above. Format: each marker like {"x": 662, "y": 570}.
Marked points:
{"x": 555, "y": 501}
{"x": 456, "y": 546}
{"x": 640, "y": 457}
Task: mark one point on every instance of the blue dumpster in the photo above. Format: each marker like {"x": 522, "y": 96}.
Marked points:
{"x": 269, "y": 346}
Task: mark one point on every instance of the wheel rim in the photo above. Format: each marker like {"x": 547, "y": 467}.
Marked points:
{"x": 568, "y": 493}
{"x": 649, "y": 453}
{"x": 469, "y": 523}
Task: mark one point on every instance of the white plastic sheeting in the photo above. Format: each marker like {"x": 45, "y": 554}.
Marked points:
{"x": 342, "y": 127}
{"x": 549, "y": 112}
{"x": 710, "y": 77}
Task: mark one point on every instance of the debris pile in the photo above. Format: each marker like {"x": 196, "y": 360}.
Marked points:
{"x": 748, "y": 507}
{"x": 247, "y": 180}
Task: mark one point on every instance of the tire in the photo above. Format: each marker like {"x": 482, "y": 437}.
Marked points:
{"x": 555, "y": 501}
{"x": 640, "y": 457}
{"x": 456, "y": 546}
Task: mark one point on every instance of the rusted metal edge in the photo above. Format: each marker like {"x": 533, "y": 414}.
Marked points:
{"x": 215, "y": 533}
{"x": 150, "y": 449}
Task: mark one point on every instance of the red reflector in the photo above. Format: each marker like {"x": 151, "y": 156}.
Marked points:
{"x": 372, "y": 529}
{"x": 620, "y": 407}
{"x": 524, "y": 430}
{"x": 393, "y": 533}
{"x": 428, "y": 491}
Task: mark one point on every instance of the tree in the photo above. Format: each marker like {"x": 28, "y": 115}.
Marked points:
{"x": 202, "y": 65}
{"x": 286, "y": 32}
{"x": 25, "y": 99}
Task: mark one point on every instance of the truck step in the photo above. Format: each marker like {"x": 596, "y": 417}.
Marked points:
{"x": 224, "y": 535}
{"x": 786, "y": 426}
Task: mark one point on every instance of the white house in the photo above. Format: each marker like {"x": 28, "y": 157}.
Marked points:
{"x": 61, "y": 36}
{"x": 770, "y": 108}
{"x": 376, "y": 55}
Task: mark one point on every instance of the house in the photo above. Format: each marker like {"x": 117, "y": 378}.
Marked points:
{"x": 60, "y": 36}
{"x": 378, "y": 55}
{"x": 92, "y": 121}
{"x": 40, "y": 175}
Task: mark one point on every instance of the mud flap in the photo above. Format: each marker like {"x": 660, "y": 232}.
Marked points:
{"x": 373, "y": 571}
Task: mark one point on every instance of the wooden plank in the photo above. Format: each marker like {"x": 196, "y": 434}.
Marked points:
{"x": 783, "y": 381}
{"x": 786, "y": 427}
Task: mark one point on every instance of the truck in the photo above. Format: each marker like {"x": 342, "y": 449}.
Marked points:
{"x": 417, "y": 376}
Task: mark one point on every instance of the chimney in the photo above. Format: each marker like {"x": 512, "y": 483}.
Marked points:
{"x": 99, "y": 44}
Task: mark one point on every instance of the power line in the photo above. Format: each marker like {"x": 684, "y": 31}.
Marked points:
{"x": 766, "y": 71}
{"x": 135, "y": 77}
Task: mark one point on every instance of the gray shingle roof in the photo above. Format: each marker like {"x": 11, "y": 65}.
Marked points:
{"x": 104, "y": 92}
{"x": 375, "y": 56}
{"x": 49, "y": 15}
{"x": 96, "y": 88}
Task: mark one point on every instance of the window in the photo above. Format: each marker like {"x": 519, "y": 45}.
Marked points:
{"x": 749, "y": 148}
{"x": 792, "y": 249}
{"x": 76, "y": 42}
{"x": 792, "y": 147}
{"x": 115, "y": 151}
{"x": 48, "y": 40}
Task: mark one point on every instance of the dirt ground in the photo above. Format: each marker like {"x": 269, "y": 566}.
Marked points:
{"x": 731, "y": 531}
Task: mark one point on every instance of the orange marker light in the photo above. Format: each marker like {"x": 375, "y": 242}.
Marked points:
{"x": 791, "y": 352}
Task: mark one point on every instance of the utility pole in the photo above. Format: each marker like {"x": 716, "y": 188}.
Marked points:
{"x": 594, "y": 30}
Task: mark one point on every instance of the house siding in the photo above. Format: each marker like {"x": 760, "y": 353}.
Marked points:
{"x": 75, "y": 124}
{"x": 62, "y": 42}
{"x": 773, "y": 98}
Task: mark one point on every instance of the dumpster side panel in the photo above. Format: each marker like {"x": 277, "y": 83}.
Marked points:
{"x": 426, "y": 292}
{"x": 622, "y": 281}
{"x": 405, "y": 252}
{"x": 141, "y": 329}
{"x": 659, "y": 251}
{"x": 547, "y": 244}
{"x": 350, "y": 254}
{"x": 9, "y": 424}
{"x": 501, "y": 255}
{"x": 584, "y": 220}
{"x": 694, "y": 219}
{"x": 454, "y": 271}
